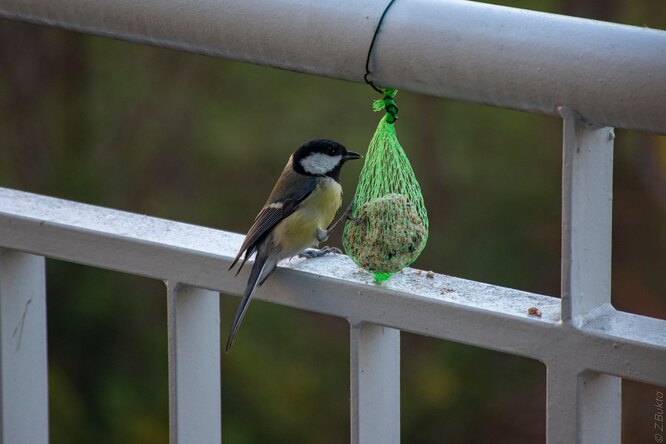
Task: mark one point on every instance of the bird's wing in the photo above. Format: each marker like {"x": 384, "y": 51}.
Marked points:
{"x": 278, "y": 206}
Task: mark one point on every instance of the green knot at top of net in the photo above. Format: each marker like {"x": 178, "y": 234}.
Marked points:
{"x": 387, "y": 103}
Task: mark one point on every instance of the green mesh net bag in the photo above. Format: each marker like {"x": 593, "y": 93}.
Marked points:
{"x": 391, "y": 226}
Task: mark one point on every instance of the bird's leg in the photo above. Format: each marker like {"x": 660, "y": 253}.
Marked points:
{"x": 345, "y": 216}
{"x": 322, "y": 235}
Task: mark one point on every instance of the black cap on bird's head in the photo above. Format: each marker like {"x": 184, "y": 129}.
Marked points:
{"x": 321, "y": 157}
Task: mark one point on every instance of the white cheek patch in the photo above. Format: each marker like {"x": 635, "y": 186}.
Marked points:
{"x": 318, "y": 163}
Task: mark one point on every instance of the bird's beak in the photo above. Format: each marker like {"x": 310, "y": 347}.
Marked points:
{"x": 350, "y": 155}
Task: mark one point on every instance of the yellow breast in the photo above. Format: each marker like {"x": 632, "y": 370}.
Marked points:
{"x": 299, "y": 231}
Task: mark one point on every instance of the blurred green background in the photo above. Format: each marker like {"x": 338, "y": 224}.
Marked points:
{"x": 177, "y": 135}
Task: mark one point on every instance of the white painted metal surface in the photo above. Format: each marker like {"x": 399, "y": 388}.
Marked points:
{"x": 587, "y": 205}
{"x": 612, "y": 74}
{"x": 375, "y": 384}
{"x": 24, "y": 415}
{"x": 445, "y": 307}
{"x": 449, "y": 308}
{"x": 195, "y": 405}
{"x": 586, "y": 405}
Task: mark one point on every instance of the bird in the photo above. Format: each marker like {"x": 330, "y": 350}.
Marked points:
{"x": 296, "y": 217}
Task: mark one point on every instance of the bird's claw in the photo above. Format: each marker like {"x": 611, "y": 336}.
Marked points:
{"x": 357, "y": 220}
{"x": 348, "y": 214}
{"x": 312, "y": 253}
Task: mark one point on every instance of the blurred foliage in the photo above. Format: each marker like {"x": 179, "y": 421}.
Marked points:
{"x": 177, "y": 136}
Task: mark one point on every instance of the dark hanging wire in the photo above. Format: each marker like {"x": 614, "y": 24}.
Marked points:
{"x": 372, "y": 45}
{"x": 391, "y": 107}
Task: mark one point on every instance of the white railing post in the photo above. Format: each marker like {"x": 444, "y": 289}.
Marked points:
{"x": 375, "y": 384}
{"x": 24, "y": 416}
{"x": 195, "y": 407}
{"x": 562, "y": 404}
{"x": 587, "y": 197}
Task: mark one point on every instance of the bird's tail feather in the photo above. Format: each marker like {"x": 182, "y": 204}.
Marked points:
{"x": 263, "y": 266}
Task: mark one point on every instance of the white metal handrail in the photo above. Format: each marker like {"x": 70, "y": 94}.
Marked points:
{"x": 444, "y": 307}
{"x": 192, "y": 260}
{"x": 611, "y": 74}
{"x": 617, "y": 73}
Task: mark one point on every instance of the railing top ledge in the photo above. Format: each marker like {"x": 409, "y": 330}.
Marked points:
{"x": 441, "y": 306}
{"x": 32, "y": 217}
{"x": 200, "y": 256}
{"x": 611, "y": 74}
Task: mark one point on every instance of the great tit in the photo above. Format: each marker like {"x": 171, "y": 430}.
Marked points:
{"x": 297, "y": 215}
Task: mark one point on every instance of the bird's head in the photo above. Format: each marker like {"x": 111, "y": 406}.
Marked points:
{"x": 322, "y": 157}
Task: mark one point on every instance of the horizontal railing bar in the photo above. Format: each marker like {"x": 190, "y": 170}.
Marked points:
{"x": 439, "y": 306}
{"x": 612, "y": 74}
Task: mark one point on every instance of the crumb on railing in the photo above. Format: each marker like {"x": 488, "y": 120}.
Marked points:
{"x": 534, "y": 311}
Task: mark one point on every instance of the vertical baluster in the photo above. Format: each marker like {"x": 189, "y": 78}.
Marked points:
{"x": 194, "y": 365}
{"x": 24, "y": 416}
{"x": 587, "y": 195}
{"x": 375, "y": 384}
